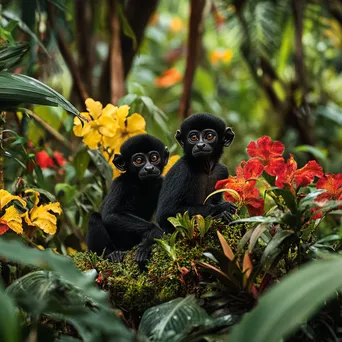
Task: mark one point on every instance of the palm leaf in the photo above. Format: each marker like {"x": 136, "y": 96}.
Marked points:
{"x": 11, "y": 53}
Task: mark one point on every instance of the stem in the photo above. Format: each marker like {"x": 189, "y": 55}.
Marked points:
{"x": 2, "y": 122}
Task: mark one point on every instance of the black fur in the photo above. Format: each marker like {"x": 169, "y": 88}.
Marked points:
{"x": 126, "y": 211}
{"x": 195, "y": 175}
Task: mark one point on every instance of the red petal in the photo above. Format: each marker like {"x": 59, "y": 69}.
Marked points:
{"x": 252, "y": 149}
{"x": 3, "y": 228}
{"x": 307, "y": 173}
{"x": 44, "y": 160}
{"x": 264, "y": 147}
{"x": 332, "y": 183}
{"x": 253, "y": 168}
{"x": 221, "y": 184}
{"x": 277, "y": 148}
{"x": 59, "y": 158}
{"x": 255, "y": 206}
{"x": 276, "y": 166}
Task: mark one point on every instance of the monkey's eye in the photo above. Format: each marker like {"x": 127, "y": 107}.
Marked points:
{"x": 193, "y": 137}
{"x": 138, "y": 160}
{"x": 154, "y": 158}
{"x": 209, "y": 136}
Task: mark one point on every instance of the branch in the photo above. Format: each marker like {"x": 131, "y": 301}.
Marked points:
{"x": 64, "y": 49}
{"x": 196, "y": 28}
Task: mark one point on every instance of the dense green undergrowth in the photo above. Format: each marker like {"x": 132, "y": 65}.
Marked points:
{"x": 134, "y": 291}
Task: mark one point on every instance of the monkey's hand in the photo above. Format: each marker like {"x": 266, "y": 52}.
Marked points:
{"x": 145, "y": 247}
{"x": 116, "y": 256}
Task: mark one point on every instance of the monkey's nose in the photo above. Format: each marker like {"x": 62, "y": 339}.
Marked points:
{"x": 149, "y": 168}
{"x": 201, "y": 146}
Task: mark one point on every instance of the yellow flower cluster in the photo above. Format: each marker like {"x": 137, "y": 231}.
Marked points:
{"x": 39, "y": 216}
{"x": 108, "y": 128}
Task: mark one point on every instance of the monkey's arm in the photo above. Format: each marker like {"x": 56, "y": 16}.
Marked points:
{"x": 98, "y": 239}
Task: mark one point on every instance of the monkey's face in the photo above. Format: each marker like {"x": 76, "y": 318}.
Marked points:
{"x": 146, "y": 165}
{"x": 201, "y": 143}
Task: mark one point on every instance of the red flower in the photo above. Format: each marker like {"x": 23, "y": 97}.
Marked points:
{"x": 44, "y": 160}
{"x": 293, "y": 178}
{"x": 59, "y": 158}
{"x": 333, "y": 184}
{"x": 266, "y": 155}
{"x": 248, "y": 193}
{"x": 3, "y": 228}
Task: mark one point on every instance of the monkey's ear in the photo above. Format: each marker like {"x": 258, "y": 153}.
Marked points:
{"x": 228, "y": 136}
{"x": 178, "y": 137}
{"x": 119, "y": 162}
{"x": 166, "y": 155}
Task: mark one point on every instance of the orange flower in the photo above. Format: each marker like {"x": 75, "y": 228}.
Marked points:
{"x": 176, "y": 25}
{"x": 293, "y": 178}
{"x": 168, "y": 78}
{"x": 248, "y": 194}
{"x": 266, "y": 155}
{"x": 219, "y": 18}
{"x": 333, "y": 186}
{"x": 221, "y": 55}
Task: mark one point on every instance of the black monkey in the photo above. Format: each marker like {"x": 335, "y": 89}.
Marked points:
{"x": 202, "y": 137}
{"x": 126, "y": 211}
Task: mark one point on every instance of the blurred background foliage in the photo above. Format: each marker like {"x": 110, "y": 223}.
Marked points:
{"x": 266, "y": 67}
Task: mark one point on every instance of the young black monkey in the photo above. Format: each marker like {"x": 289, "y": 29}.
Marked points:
{"x": 126, "y": 211}
{"x": 187, "y": 184}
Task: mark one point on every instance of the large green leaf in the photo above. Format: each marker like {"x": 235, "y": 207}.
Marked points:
{"x": 164, "y": 321}
{"x": 11, "y": 53}
{"x": 291, "y": 302}
{"x": 9, "y": 327}
{"x": 16, "y": 89}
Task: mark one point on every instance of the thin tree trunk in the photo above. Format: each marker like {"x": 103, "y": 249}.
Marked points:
{"x": 67, "y": 56}
{"x": 2, "y": 158}
{"x": 84, "y": 23}
{"x": 194, "y": 45}
{"x": 117, "y": 85}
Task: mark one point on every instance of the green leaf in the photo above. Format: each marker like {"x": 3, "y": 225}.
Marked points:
{"x": 9, "y": 325}
{"x": 102, "y": 165}
{"x": 12, "y": 16}
{"x": 274, "y": 247}
{"x": 16, "y": 89}
{"x": 317, "y": 153}
{"x": 162, "y": 322}
{"x": 289, "y": 199}
{"x": 10, "y": 54}
{"x": 260, "y": 219}
{"x": 126, "y": 27}
{"x": 297, "y": 297}
{"x": 257, "y": 232}
{"x": 81, "y": 162}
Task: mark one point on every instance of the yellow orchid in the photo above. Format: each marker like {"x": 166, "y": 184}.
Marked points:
{"x": 11, "y": 219}
{"x": 109, "y": 157}
{"x": 172, "y": 161}
{"x": 40, "y": 216}
{"x": 78, "y": 127}
{"x": 128, "y": 127}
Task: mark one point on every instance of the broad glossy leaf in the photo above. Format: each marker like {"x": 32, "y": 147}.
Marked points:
{"x": 102, "y": 165}
{"x": 162, "y": 322}
{"x": 260, "y": 219}
{"x": 274, "y": 247}
{"x": 257, "y": 232}
{"x": 291, "y": 302}
{"x": 317, "y": 153}
{"x": 11, "y": 54}
{"x": 9, "y": 325}
{"x": 81, "y": 162}
{"x": 16, "y": 89}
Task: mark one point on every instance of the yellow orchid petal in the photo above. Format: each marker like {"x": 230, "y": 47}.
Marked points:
{"x": 172, "y": 161}
{"x": 27, "y": 218}
{"x": 94, "y": 108}
{"x": 78, "y": 129}
{"x": 35, "y": 193}
{"x": 107, "y": 126}
{"x": 13, "y": 219}
{"x": 43, "y": 219}
{"x": 110, "y": 110}
{"x": 6, "y": 197}
{"x": 135, "y": 122}
{"x": 129, "y": 135}
{"x": 92, "y": 138}
{"x": 121, "y": 114}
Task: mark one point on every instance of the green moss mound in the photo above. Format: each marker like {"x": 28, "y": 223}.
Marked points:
{"x": 133, "y": 291}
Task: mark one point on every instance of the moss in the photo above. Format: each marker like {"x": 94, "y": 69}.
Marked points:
{"x": 134, "y": 291}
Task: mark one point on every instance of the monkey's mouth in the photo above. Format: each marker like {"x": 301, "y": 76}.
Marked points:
{"x": 149, "y": 175}
{"x": 201, "y": 153}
